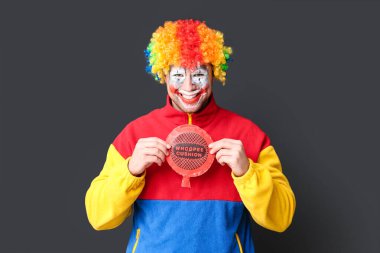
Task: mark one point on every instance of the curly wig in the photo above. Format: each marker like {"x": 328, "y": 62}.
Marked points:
{"x": 187, "y": 43}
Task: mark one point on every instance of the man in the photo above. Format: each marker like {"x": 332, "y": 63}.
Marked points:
{"x": 245, "y": 179}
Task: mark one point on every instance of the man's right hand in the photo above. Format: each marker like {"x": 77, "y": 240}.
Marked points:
{"x": 147, "y": 151}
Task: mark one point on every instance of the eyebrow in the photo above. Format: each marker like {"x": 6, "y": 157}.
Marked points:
{"x": 199, "y": 70}
{"x": 203, "y": 67}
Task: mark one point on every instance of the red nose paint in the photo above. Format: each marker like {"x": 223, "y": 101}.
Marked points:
{"x": 189, "y": 155}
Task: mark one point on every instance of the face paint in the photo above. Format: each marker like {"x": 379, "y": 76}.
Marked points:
{"x": 189, "y": 90}
{"x": 177, "y": 76}
{"x": 194, "y": 104}
{"x": 200, "y": 77}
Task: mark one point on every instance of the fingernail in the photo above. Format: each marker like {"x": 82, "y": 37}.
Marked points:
{"x": 210, "y": 145}
{"x": 168, "y": 146}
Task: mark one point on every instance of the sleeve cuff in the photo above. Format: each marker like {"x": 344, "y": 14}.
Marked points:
{"x": 244, "y": 178}
{"x": 135, "y": 180}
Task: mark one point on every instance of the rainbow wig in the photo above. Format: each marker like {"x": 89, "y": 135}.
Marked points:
{"x": 187, "y": 43}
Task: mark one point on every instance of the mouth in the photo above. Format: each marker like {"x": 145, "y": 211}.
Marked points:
{"x": 189, "y": 97}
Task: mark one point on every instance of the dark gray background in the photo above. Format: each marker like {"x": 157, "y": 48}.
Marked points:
{"x": 72, "y": 76}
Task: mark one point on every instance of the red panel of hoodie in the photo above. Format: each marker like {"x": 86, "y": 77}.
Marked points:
{"x": 219, "y": 123}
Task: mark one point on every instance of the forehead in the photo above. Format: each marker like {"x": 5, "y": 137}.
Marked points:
{"x": 200, "y": 67}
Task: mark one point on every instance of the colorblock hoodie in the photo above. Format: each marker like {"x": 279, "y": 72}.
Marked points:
{"x": 211, "y": 216}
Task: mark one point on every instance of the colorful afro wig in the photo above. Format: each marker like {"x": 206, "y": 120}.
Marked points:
{"x": 187, "y": 43}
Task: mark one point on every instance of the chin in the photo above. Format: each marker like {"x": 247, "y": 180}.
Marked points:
{"x": 190, "y": 110}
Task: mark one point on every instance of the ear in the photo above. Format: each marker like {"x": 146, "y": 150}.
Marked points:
{"x": 211, "y": 67}
{"x": 212, "y": 73}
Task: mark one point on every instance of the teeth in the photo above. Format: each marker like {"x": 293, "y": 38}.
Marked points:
{"x": 188, "y": 97}
{"x": 189, "y": 94}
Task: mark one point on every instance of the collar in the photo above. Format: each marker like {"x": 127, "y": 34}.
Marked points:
{"x": 201, "y": 118}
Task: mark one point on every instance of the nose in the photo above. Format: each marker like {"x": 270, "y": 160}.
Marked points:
{"x": 188, "y": 84}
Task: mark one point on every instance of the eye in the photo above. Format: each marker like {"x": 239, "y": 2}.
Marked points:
{"x": 178, "y": 75}
{"x": 198, "y": 75}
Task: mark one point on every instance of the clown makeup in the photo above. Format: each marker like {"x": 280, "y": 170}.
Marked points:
{"x": 189, "y": 89}
{"x": 177, "y": 76}
{"x": 199, "y": 77}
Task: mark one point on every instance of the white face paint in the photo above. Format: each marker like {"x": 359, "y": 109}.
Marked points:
{"x": 177, "y": 76}
{"x": 189, "y": 90}
{"x": 199, "y": 77}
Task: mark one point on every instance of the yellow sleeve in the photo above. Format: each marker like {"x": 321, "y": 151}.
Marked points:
{"x": 266, "y": 192}
{"x": 111, "y": 195}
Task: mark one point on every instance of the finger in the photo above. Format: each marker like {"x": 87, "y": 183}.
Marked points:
{"x": 224, "y": 159}
{"x": 239, "y": 142}
{"x": 153, "y": 159}
{"x": 155, "y": 152}
{"x": 227, "y": 140}
{"x": 223, "y": 152}
{"x": 156, "y": 139}
{"x": 156, "y": 144}
{"x": 223, "y": 143}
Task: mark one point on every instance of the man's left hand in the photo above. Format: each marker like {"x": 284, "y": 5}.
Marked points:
{"x": 231, "y": 152}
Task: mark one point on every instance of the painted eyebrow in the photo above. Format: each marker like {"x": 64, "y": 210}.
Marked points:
{"x": 199, "y": 70}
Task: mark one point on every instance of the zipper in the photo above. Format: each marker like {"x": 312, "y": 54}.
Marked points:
{"x": 189, "y": 118}
{"x": 137, "y": 240}
{"x": 239, "y": 243}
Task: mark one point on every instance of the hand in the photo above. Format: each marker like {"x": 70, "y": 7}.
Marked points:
{"x": 147, "y": 151}
{"x": 231, "y": 152}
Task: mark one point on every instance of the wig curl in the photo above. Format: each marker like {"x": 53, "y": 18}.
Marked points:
{"x": 187, "y": 43}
